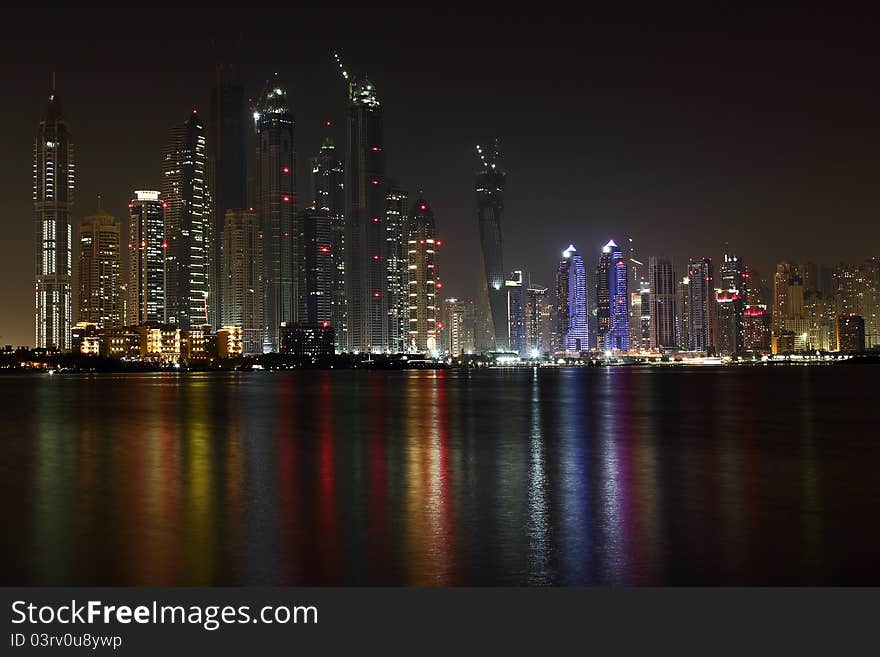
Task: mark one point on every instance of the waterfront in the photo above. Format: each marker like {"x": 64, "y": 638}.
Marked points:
{"x": 631, "y": 475}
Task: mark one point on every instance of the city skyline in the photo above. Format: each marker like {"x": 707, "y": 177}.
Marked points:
{"x": 587, "y": 221}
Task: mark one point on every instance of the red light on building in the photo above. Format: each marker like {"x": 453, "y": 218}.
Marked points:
{"x": 375, "y": 257}
{"x": 164, "y": 245}
{"x": 439, "y": 325}
{"x": 423, "y": 207}
{"x": 375, "y": 220}
{"x": 325, "y": 324}
{"x": 325, "y": 249}
{"x": 327, "y": 123}
{"x": 164, "y": 205}
{"x": 143, "y": 244}
{"x": 375, "y": 295}
{"x": 438, "y": 243}
{"x": 377, "y": 148}
{"x": 431, "y": 266}
{"x": 375, "y": 182}
{"x": 285, "y": 169}
{"x": 438, "y": 285}
{"x": 286, "y": 199}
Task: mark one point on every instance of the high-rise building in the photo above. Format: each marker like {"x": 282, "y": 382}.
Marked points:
{"x": 756, "y": 329}
{"x": 635, "y": 268}
{"x": 516, "y": 313}
{"x": 645, "y": 317}
{"x": 661, "y": 276}
{"x": 146, "y": 258}
{"x": 241, "y": 267}
{"x": 397, "y": 230}
{"x": 365, "y": 186}
{"x": 850, "y": 333}
{"x": 729, "y": 337}
{"x": 276, "y": 209}
{"x": 571, "y": 286}
{"x": 53, "y": 196}
{"x": 603, "y": 295}
{"x": 683, "y": 313}
{"x": 328, "y": 196}
{"x": 319, "y": 267}
{"x": 701, "y": 306}
{"x": 452, "y": 327}
{"x": 227, "y": 171}
{"x": 187, "y": 227}
{"x": 754, "y": 290}
{"x": 423, "y": 278}
{"x": 99, "y": 271}
{"x": 492, "y": 302}
{"x": 617, "y": 338}
{"x": 562, "y": 294}
{"x": 821, "y": 321}
{"x": 538, "y": 312}
{"x": 857, "y": 292}
{"x": 785, "y": 299}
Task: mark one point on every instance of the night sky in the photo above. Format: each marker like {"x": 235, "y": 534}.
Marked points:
{"x": 689, "y": 131}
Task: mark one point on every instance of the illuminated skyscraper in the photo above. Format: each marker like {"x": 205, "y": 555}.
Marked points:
{"x": 276, "y": 210}
{"x": 99, "y": 275}
{"x": 328, "y": 195}
{"x": 682, "y": 313}
{"x": 146, "y": 258}
{"x": 53, "y": 195}
{"x": 662, "y": 279}
{"x": 397, "y": 229}
{"x": 453, "y": 329}
{"x": 319, "y": 267}
{"x": 423, "y": 279}
{"x": 857, "y": 292}
{"x": 241, "y": 269}
{"x": 701, "y": 306}
{"x": 227, "y": 171}
{"x": 489, "y": 187}
{"x": 850, "y": 333}
{"x": 571, "y": 286}
{"x": 603, "y": 295}
{"x": 618, "y": 335}
{"x": 756, "y": 329}
{"x": 539, "y": 320}
{"x": 516, "y": 313}
{"x": 365, "y": 239}
{"x": 729, "y": 336}
{"x": 186, "y": 225}
{"x": 645, "y": 317}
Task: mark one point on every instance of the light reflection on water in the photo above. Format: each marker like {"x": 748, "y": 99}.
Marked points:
{"x": 592, "y": 476}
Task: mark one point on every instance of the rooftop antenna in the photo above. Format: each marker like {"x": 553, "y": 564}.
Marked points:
{"x": 52, "y": 97}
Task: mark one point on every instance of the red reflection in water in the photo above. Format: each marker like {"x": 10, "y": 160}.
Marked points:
{"x": 327, "y": 531}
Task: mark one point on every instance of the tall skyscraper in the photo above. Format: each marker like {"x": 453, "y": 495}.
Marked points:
{"x": 572, "y": 288}
{"x": 701, "y": 306}
{"x": 186, "y": 225}
{"x": 146, "y": 258}
{"x": 618, "y": 334}
{"x": 319, "y": 267}
{"x": 489, "y": 187}
{"x": 662, "y": 279}
{"x": 53, "y": 195}
{"x": 397, "y": 230}
{"x": 683, "y": 313}
{"x": 452, "y": 329}
{"x": 562, "y": 294}
{"x": 603, "y": 295}
{"x": 328, "y": 196}
{"x": 423, "y": 279}
{"x": 645, "y": 317}
{"x": 241, "y": 268}
{"x": 756, "y": 329}
{"x": 538, "y": 320}
{"x": 365, "y": 185}
{"x": 99, "y": 271}
{"x": 729, "y": 337}
{"x": 857, "y": 292}
{"x": 276, "y": 210}
{"x": 227, "y": 171}
{"x": 516, "y": 313}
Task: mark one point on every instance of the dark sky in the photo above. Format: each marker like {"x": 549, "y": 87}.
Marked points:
{"x": 685, "y": 131}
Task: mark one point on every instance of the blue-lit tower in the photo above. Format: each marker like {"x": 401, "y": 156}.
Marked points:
{"x": 574, "y": 285}
{"x": 617, "y": 337}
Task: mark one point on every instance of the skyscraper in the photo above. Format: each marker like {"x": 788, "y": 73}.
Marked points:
{"x": 516, "y": 313}
{"x": 328, "y": 196}
{"x": 489, "y": 187}
{"x": 241, "y": 268}
{"x": 662, "y": 280}
{"x": 146, "y": 258}
{"x": 397, "y": 229}
{"x": 701, "y": 305}
{"x": 645, "y": 317}
{"x": 683, "y": 313}
{"x": 186, "y": 225}
{"x": 538, "y": 320}
{"x": 276, "y": 210}
{"x": 53, "y": 196}
{"x": 99, "y": 275}
{"x": 756, "y": 329}
{"x": 603, "y": 295}
{"x": 319, "y": 268}
{"x": 562, "y": 294}
{"x": 423, "y": 278}
{"x": 452, "y": 328}
{"x": 572, "y": 283}
{"x": 618, "y": 334}
{"x": 365, "y": 185}
{"x": 729, "y": 337}
{"x": 227, "y": 171}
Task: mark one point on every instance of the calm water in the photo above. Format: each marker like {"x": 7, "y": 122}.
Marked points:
{"x": 590, "y": 476}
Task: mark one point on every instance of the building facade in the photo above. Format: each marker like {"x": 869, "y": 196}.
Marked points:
{"x": 54, "y": 176}
{"x": 397, "y": 233}
{"x": 572, "y": 283}
{"x": 241, "y": 267}
{"x": 146, "y": 258}
{"x": 662, "y": 307}
{"x": 489, "y": 183}
{"x": 516, "y": 313}
{"x": 423, "y": 279}
{"x": 99, "y": 271}
{"x": 701, "y": 306}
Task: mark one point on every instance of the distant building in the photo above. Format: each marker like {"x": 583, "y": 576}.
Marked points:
{"x": 187, "y": 225}
{"x": 452, "y": 326}
{"x": 571, "y": 287}
{"x": 539, "y": 328}
{"x": 492, "y": 302}
{"x": 662, "y": 279}
{"x": 516, "y": 313}
{"x": 99, "y": 271}
{"x": 86, "y": 338}
{"x": 850, "y": 333}
{"x": 682, "y": 313}
{"x": 730, "y": 328}
{"x": 319, "y": 267}
{"x": 783, "y": 342}
{"x": 423, "y": 279}
{"x": 146, "y": 258}
{"x": 229, "y": 342}
{"x": 160, "y": 342}
{"x": 603, "y": 295}
{"x": 617, "y": 338}
{"x": 701, "y": 306}
{"x": 241, "y": 276}
{"x": 397, "y": 232}
{"x": 316, "y": 341}
{"x": 53, "y": 194}
{"x": 756, "y": 329}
